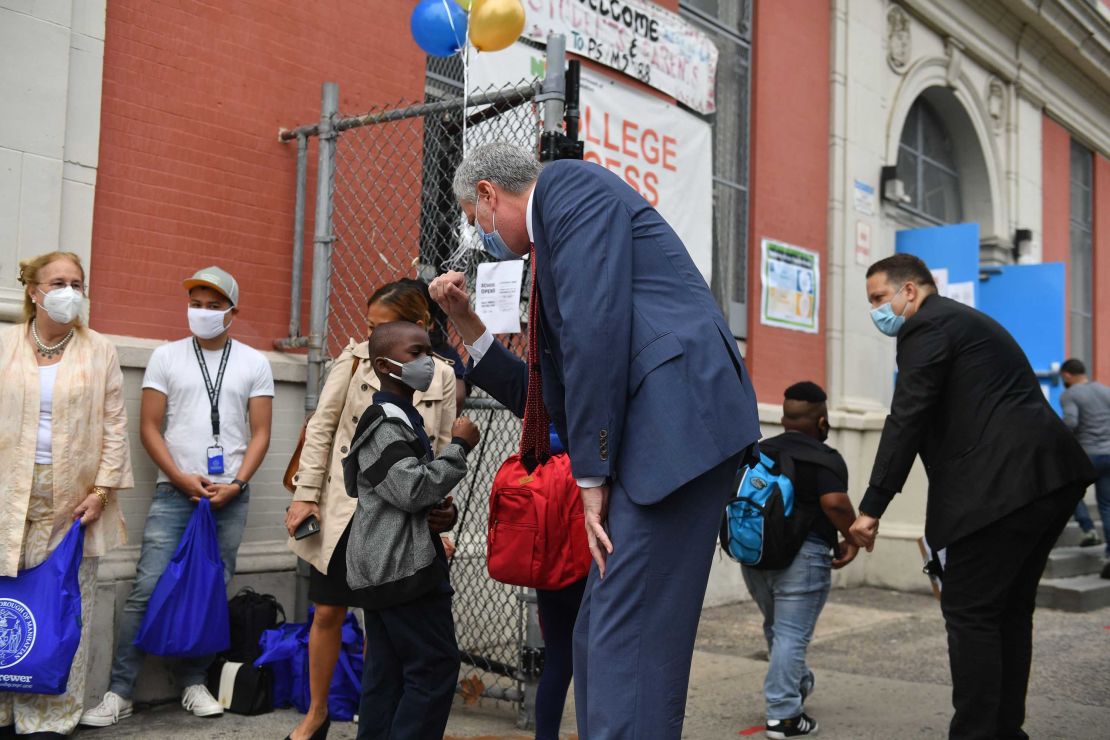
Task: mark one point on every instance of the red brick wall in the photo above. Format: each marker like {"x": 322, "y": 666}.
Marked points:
{"x": 1101, "y": 361}
{"x": 191, "y": 172}
{"x": 789, "y": 177}
{"x": 1056, "y": 186}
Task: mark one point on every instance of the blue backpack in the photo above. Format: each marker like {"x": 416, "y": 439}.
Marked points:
{"x": 759, "y": 527}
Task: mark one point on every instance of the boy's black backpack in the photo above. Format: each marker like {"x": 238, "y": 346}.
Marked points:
{"x": 764, "y": 524}
{"x": 232, "y": 677}
{"x": 249, "y": 615}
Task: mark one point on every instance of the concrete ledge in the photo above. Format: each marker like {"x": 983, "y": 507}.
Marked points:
{"x": 844, "y": 419}
{"x": 134, "y": 352}
{"x": 269, "y": 556}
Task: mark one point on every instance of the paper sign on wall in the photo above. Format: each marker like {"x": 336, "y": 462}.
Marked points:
{"x": 497, "y": 295}
{"x": 791, "y": 278}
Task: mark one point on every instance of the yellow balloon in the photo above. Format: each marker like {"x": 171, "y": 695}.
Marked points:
{"x": 464, "y": 4}
{"x": 495, "y": 24}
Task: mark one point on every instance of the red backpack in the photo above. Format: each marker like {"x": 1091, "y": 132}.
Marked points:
{"x": 537, "y": 531}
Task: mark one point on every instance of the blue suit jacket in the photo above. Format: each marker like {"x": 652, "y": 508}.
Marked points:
{"x": 641, "y": 374}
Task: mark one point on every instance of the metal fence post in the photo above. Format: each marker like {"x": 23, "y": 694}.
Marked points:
{"x": 553, "y": 97}
{"x": 321, "y": 245}
{"x": 298, "y": 236}
{"x": 321, "y": 275}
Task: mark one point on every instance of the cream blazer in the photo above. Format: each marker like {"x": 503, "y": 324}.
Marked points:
{"x": 328, "y": 437}
{"x": 89, "y": 438}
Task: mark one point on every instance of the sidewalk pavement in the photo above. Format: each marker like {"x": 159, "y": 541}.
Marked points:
{"x": 881, "y": 663}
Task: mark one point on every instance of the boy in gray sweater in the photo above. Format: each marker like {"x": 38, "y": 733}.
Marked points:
{"x": 394, "y": 563}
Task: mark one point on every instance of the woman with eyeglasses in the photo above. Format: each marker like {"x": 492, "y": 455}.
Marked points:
{"x": 64, "y": 453}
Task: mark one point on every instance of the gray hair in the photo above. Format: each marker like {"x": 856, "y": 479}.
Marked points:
{"x": 507, "y": 166}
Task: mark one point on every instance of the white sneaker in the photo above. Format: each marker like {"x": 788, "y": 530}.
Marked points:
{"x": 197, "y": 700}
{"x": 108, "y": 712}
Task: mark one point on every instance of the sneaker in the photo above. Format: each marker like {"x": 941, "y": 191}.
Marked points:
{"x": 799, "y": 726}
{"x": 197, "y": 700}
{"x": 1089, "y": 539}
{"x": 108, "y": 712}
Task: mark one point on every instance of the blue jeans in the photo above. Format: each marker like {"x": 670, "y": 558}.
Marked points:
{"x": 165, "y": 523}
{"x": 791, "y": 599}
{"x": 1102, "y": 495}
{"x": 1083, "y": 517}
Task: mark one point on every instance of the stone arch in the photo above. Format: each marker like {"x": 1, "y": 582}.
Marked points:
{"x": 964, "y": 113}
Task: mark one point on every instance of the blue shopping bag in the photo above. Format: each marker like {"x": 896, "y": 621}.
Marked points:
{"x": 40, "y": 620}
{"x": 285, "y": 651}
{"x": 187, "y": 613}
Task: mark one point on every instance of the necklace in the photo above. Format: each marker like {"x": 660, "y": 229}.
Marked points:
{"x": 49, "y": 351}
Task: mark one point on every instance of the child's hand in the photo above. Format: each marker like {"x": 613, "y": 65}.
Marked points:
{"x": 465, "y": 430}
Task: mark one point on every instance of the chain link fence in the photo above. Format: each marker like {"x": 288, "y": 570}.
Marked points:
{"x": 393, "y": 215}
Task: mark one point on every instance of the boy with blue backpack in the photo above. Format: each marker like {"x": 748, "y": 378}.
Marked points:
{"x": 782, "y": 527}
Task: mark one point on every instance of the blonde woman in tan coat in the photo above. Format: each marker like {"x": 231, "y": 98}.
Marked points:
{"x": 347, "y": 392}
{"x": 64, "y": 453}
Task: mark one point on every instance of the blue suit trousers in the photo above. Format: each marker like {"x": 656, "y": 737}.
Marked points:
{"x": 634, "y": 637}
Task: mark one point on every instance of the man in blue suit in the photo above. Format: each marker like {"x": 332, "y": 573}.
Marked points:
{"x": 644, "y": 383}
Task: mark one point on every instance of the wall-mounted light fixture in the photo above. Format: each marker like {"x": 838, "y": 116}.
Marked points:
{"x": 892, "y": 188}
{"x": 1023, "y": 240}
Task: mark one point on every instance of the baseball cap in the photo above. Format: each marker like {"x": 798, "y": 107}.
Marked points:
{"x": 216, "y": 279}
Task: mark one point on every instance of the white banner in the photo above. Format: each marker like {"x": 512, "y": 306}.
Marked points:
{"x": 637, "y": 38}
{"x": 664, "y": 153}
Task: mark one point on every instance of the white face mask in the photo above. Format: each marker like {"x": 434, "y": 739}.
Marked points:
{"x": 63, "y": 305}
{"x": 206, "y": 323}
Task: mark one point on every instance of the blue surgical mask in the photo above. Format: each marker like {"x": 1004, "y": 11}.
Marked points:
{"x": 494, "y": 245}
{"x": 886, "y": 320}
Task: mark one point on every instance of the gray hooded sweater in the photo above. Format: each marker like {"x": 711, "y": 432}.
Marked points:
{"x": 391, "y": 552}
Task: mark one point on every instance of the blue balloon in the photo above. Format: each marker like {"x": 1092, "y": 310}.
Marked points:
{"x": 439, "y": 27}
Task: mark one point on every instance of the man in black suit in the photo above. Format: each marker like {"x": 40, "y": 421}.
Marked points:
{"x": 1004, "y": 477}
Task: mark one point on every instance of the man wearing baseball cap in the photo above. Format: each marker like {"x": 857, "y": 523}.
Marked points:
{"x": 215, "y": 396}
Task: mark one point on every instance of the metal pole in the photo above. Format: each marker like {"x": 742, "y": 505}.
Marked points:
{"x": 531, "y": 662}
{"x": 321, "y": 276}
{"x": 298, "y": 236}
{"x": 553, "y": 98}
{"x": 553, "y": 92}
{"x": 321, "y": 245}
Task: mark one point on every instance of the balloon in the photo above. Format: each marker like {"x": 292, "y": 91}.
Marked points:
{"x": 495, "y": 24}
{"x": 439, "y": 27}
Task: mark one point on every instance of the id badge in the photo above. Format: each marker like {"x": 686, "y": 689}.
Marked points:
{"x": 215, "y": 460}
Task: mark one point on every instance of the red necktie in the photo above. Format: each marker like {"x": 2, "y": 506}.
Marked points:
{"x": 535, "y": 438}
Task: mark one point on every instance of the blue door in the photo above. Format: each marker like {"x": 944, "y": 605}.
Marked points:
{"x": 1029, "y": 301}
{"x": 1026, "y": 299}
{"x": 953, "y": 250}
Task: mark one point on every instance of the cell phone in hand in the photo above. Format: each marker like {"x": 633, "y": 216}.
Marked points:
{"x": 307, "y": 528}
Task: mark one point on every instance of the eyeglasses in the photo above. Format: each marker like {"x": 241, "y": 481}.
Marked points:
{"x": 59, "y": 285}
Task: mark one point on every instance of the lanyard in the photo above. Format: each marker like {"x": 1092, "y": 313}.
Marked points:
{"x": 213, "y": 392}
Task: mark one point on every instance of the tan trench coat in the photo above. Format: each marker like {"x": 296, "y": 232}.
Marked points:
{"x": 342, "y": 401}
{"x": 89, "y": 438}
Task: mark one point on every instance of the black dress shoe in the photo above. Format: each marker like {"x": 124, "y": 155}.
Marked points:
{"x": 320, "y": 734}
{"x": 7, "y": 731}
{"x": 42, "y": 735}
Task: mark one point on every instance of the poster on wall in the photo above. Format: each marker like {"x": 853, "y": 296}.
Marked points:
{"x": 791, "y": 278}
{"x": 637, "y": 38}
{"x": 662, "y": 152}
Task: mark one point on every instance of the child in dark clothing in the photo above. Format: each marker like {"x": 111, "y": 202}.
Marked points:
{"x": 394, "y": 563}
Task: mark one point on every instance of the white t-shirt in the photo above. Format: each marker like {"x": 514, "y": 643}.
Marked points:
{"x": 44, "y": 452}
{"x": 174, "y": 371}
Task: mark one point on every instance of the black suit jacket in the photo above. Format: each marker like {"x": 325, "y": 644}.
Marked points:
{"x": 968, "y": 402}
